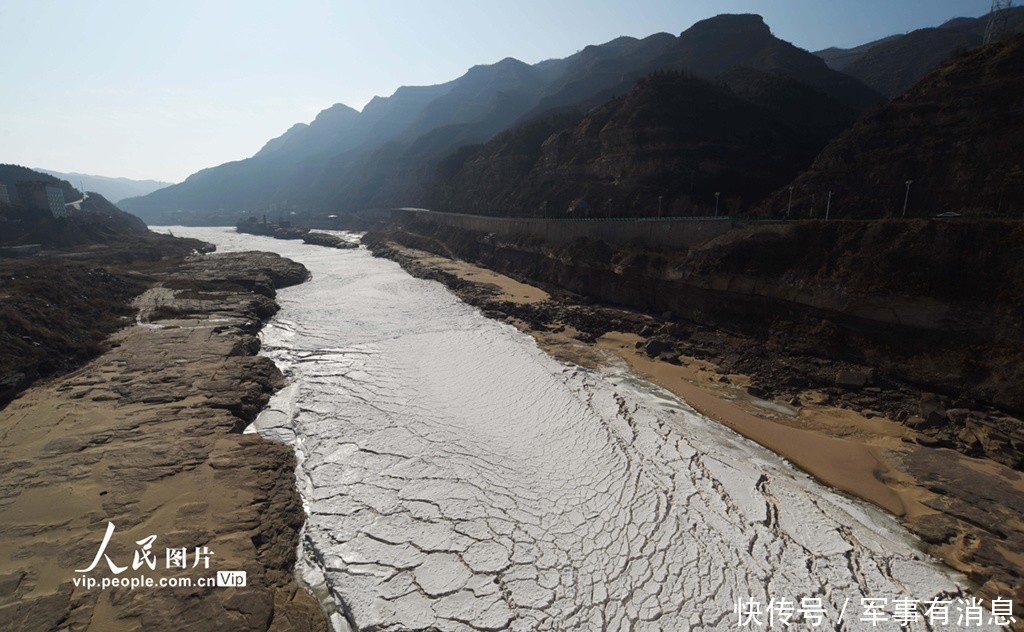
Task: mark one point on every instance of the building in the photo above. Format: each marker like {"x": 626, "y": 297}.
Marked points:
{"x": 5, "y": 195}
{"x": 42, "y": 196}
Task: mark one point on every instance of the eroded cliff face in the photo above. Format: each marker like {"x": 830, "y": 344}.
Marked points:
{"x": 926, "y": 305}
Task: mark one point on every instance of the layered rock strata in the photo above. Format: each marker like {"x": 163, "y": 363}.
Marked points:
{"x": 147, "y": 437}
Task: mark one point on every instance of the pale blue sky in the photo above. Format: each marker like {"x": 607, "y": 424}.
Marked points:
{"x": 158, "y": 90}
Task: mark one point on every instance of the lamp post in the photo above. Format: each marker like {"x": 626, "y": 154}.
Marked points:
{"x": 790, "y": 207}
{"x": 659, "y": 205}
{"x": 906, "y": 198}
{"x": 717, "y": 194}
{"x": 828, "y": 206}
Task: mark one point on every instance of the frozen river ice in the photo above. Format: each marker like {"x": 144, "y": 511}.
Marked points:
{"x": 456, "y": 477}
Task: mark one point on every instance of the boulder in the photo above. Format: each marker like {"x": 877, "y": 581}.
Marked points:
{"x": 932, "y": 410}
{"x": 657, "y": 346}
{"x": 326, "y": 239}
{"x": 852, "y": 379}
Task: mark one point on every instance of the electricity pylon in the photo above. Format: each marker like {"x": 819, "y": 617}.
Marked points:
{"x": 997, "y": 18}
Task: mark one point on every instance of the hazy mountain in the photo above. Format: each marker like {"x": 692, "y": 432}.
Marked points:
{"x": 332, "y": 157}
{"x": 598, "y": 73}
{"x": 387, "y": 154}
{"x": 335, "y": 127}
{"x": 839, "y": 58}
{"x": 315, "y": 165}
{"x": 893, "y": 64}
{"x": 956, "y": 135}
{"x": 12, "y": 174}
{"x": 96, "y": 220}
{"x": 110, "y": 188}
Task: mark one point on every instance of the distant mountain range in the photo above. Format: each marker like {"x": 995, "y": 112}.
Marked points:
{"x": 96, "y": 220}
{"x": 515, "y": 138}
{"x": 10, "y": 175}
{"x": 115, "y": 189}
{"x": 893, "y": 64}
{"x": 388, "y": 153}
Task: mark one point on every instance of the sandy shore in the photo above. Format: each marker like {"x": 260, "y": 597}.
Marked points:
{"x": 968, "y": 511}
{"x": 147, "y": 438}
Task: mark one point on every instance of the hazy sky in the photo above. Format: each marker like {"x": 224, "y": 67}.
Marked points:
{"x": 146, "y": 89}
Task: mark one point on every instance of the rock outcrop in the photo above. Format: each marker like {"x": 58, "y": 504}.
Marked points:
{"x": 328, "y": 240}
{"x": 272, "y": 229}
{"x": 56, "y": 311}
{"x": 147, "y": 437}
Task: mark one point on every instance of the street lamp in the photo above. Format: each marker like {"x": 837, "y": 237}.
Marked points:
{"x": 790, "y": 207}
{"x": 828, "y": 206}
{"x": 660, "y": 197}
{"x": 717, "y": 193}
{"x": 906, "y": 197}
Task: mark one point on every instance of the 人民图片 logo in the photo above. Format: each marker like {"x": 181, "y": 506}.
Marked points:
{"x": 144, "y": 557}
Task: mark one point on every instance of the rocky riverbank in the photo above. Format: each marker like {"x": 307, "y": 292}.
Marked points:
{"x": 288, "y": 231}
{"x": 147, "y": 437}
{"x": 918, "y": 322}
{"x": 964, "y": 500}
{"x": 59, "y": 306}
{"x": 328, "y": 240}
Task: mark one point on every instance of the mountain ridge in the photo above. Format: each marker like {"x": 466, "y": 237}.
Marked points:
{"x": 386, "y": 155}
{"x": 666, "y": 147}
{"x": 112, "y": 188}
{"x": 891, "y": 65}
{"x": 954, "y": 136}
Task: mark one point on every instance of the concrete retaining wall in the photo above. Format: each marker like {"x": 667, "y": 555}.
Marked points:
{"x": 655, "y": 232}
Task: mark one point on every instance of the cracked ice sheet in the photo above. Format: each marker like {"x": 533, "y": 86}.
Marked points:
{"x": 457, "y": 477}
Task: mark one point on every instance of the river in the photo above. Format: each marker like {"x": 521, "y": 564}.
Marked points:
{"x": 457, "y": 477}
